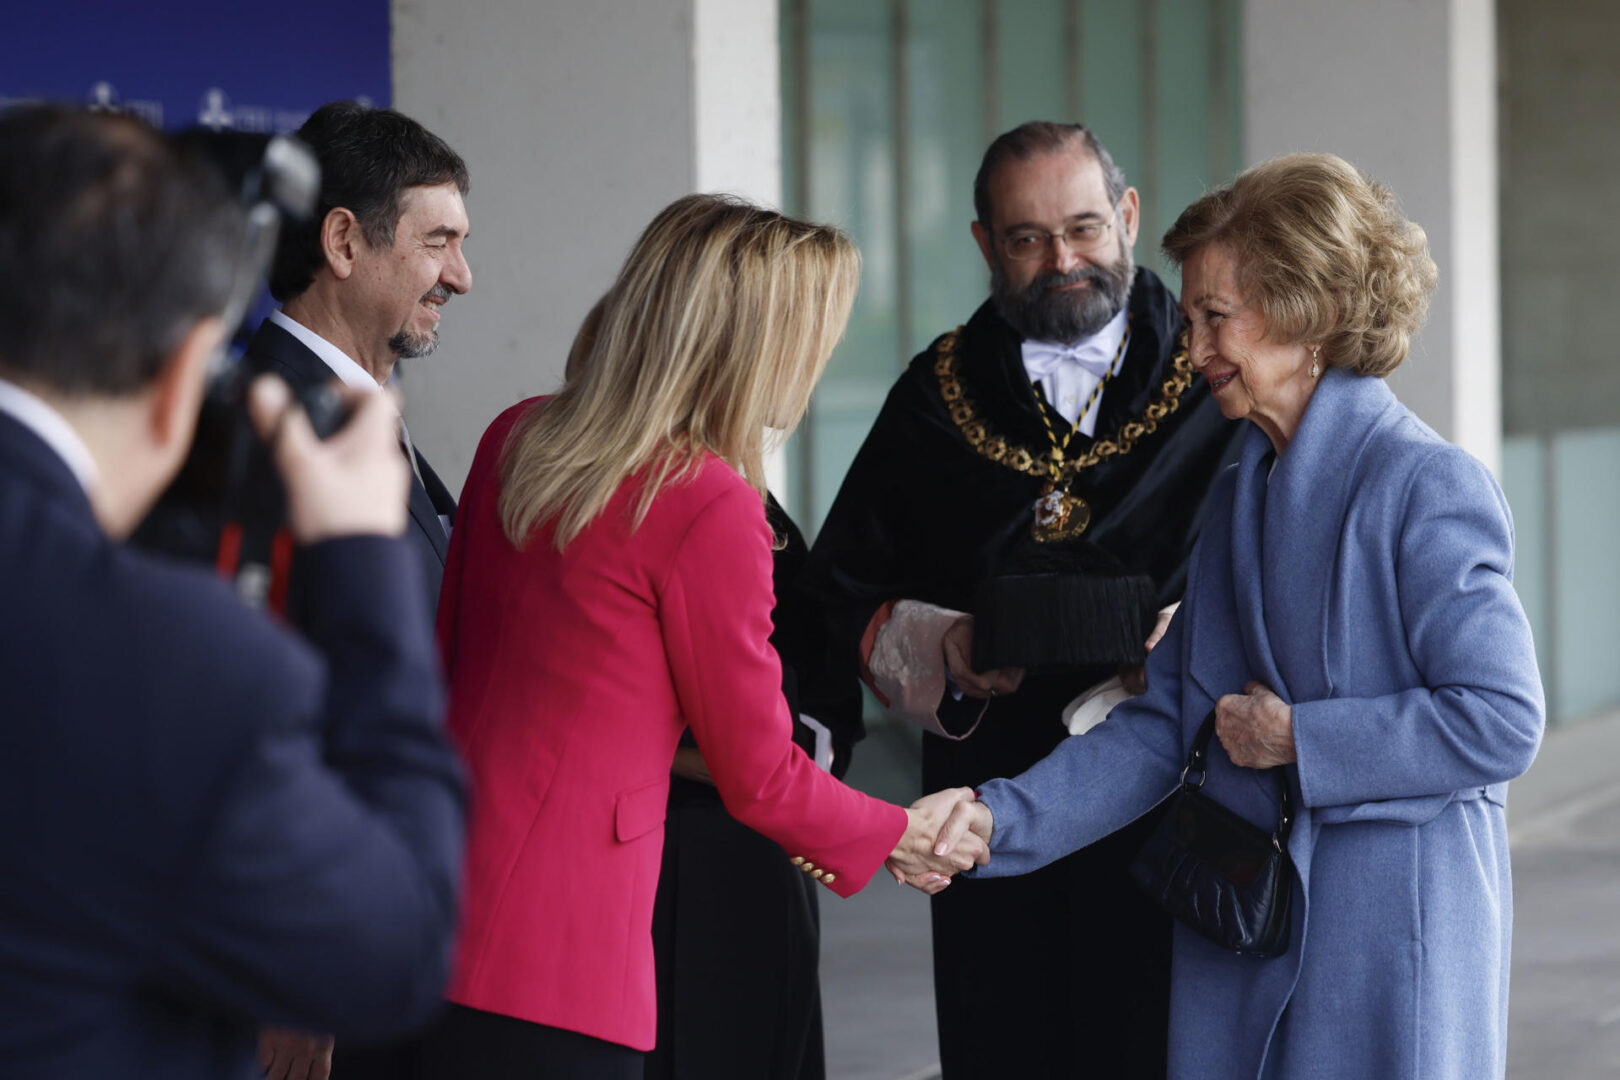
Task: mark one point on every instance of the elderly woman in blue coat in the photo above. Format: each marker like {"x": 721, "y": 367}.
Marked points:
{"x": 1349, "y": 616}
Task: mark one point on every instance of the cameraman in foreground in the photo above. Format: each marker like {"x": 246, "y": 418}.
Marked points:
{"x": 208, "y": 823}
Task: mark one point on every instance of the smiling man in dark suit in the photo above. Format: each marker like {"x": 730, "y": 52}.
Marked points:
{"x": 210, "y": 822}
{"x": 363, "y": 283}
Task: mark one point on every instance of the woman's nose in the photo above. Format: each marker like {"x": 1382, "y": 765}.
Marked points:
{"x": 1198, "y": 350}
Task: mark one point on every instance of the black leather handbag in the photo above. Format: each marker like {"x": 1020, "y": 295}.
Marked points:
{"x": 1221, "y": 875}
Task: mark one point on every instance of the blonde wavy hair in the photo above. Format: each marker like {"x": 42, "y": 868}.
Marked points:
{"x": 1326, "y": 253}
{"x": 716, "y": 329}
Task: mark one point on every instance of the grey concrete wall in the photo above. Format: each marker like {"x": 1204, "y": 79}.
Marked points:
{"x": 578, "y": 121}
{"x": 1405, "y": 90}
{"x": 1560, "y": 214}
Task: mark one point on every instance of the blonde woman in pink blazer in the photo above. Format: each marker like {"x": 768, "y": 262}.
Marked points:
{"x": 609, "y": 584}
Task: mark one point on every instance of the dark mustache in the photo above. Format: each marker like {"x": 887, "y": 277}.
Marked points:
{"x": 1053, "y": 279}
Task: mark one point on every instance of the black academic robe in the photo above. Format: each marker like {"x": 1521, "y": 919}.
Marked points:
{"x": 1063, "y": 972}
{"x": 736, "y": 927}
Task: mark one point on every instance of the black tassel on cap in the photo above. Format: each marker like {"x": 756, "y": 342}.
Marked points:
{"x": 1061, "y": 605}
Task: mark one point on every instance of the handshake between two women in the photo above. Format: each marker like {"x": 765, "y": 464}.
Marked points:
{"x": 946, "y": 833}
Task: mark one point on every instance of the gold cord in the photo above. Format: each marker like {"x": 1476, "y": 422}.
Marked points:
{"x": 1060, "y": 449}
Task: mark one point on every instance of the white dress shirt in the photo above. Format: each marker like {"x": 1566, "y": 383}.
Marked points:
{"x": 343, "y": 365}
{"x": 53, "y": 429}
{"x": 346, "y": 368}
{"x": 1068, "y": 373}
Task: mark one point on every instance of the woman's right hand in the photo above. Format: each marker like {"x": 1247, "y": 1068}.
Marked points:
{"x": 1256, "y": 728}
{"x": 918, "y": 860}
{"x": 967, "y": 829}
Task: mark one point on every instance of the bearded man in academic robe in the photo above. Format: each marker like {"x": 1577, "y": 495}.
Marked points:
{"x": 1063, "y": 415}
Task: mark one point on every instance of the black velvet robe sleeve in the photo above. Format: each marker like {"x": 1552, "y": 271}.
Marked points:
{"x": 813, "y": 687}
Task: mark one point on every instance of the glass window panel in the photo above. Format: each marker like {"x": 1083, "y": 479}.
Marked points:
{"x": 1110, "y": 81}
{"x": 1524, "y": 463}
{"x": 1229, "y": 25}
{"x": 944, "y": 78}
{"x": 1183, "y": 102}
{"x": 793, "y": 46}
{"x": 1586, "y": 575}
{"x": 1032, "y": 81}
{"x": 789, "y": 41}
{"x": 851, "y": 178}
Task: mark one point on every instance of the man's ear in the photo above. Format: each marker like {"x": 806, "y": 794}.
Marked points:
{"x": 982, "y": 235}
{"x": 176, "y": 394}
{"x": 340, "y": 240}
{"x": 1130, "y": 215}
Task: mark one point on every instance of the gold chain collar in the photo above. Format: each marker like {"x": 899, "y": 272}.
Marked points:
{"x": 980, "y": 436}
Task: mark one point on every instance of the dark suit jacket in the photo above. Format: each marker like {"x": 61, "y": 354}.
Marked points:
{"x": 208, "y": 823}
{"x": 274, "y": 349}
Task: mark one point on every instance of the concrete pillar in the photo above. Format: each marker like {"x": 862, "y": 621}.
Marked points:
{"x": 1406, "y": 90}
{"x": 578, "y": 123}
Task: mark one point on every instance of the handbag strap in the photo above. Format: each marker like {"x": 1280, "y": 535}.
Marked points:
{"x": 1198, "y": 766}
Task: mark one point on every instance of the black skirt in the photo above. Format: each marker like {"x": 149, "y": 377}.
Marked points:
{"x": 737, "y": 935}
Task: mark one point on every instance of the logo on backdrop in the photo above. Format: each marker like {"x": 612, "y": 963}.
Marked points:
{"x": 194, "y": 62}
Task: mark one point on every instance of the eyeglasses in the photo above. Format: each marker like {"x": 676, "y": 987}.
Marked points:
{"x": 1082, "y": 238}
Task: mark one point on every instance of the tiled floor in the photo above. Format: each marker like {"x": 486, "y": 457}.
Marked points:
{"x": 1564, "y": 829}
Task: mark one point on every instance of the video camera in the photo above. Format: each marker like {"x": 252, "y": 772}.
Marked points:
{"x": 226, "y": 505}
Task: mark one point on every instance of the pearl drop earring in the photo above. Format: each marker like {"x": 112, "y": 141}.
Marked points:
{"x": 1316, "y": 365}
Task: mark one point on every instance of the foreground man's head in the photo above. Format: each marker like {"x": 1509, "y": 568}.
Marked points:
{"x": 119, "y": 253}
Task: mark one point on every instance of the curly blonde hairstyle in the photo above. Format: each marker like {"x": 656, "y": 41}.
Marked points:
{"x": 1326, "y": 253}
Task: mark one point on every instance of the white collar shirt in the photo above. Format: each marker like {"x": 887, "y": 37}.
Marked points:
{"x": 1068, "y": 373}
{"x": 53, "y": 429}
{"x": 352, "y": 374}
{"x": 343, "y": 365}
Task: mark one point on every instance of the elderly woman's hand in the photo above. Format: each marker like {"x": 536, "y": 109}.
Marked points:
{"x": 1256, "y": 727}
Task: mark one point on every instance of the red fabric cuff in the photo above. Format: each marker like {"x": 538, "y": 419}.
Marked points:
{"x": 879, "y": 619}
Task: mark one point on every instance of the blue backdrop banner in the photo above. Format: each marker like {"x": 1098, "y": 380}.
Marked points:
{"x": 251, "y": 67}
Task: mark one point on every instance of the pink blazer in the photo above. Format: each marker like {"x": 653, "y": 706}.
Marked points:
{"x": 571, "y": 679}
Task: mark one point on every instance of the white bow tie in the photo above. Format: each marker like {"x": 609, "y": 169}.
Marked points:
{"x": 1042, "y": 358}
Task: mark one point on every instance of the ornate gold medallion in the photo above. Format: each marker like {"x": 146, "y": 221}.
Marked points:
{"x": 1059, "y": 515}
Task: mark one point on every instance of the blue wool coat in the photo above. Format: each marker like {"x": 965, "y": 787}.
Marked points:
{"x": 1367, "y": 582}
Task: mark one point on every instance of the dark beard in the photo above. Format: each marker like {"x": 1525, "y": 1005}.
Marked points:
{"x": 1039, "y": 314}
{"x": 408, "y": 346}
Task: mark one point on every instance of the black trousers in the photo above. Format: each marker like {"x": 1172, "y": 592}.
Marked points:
{"x": 1062, "y": 974}
{"x": 395, "y": 1061}
{"x": 469, "y": 1044}
{"x": 737, "y": 933}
